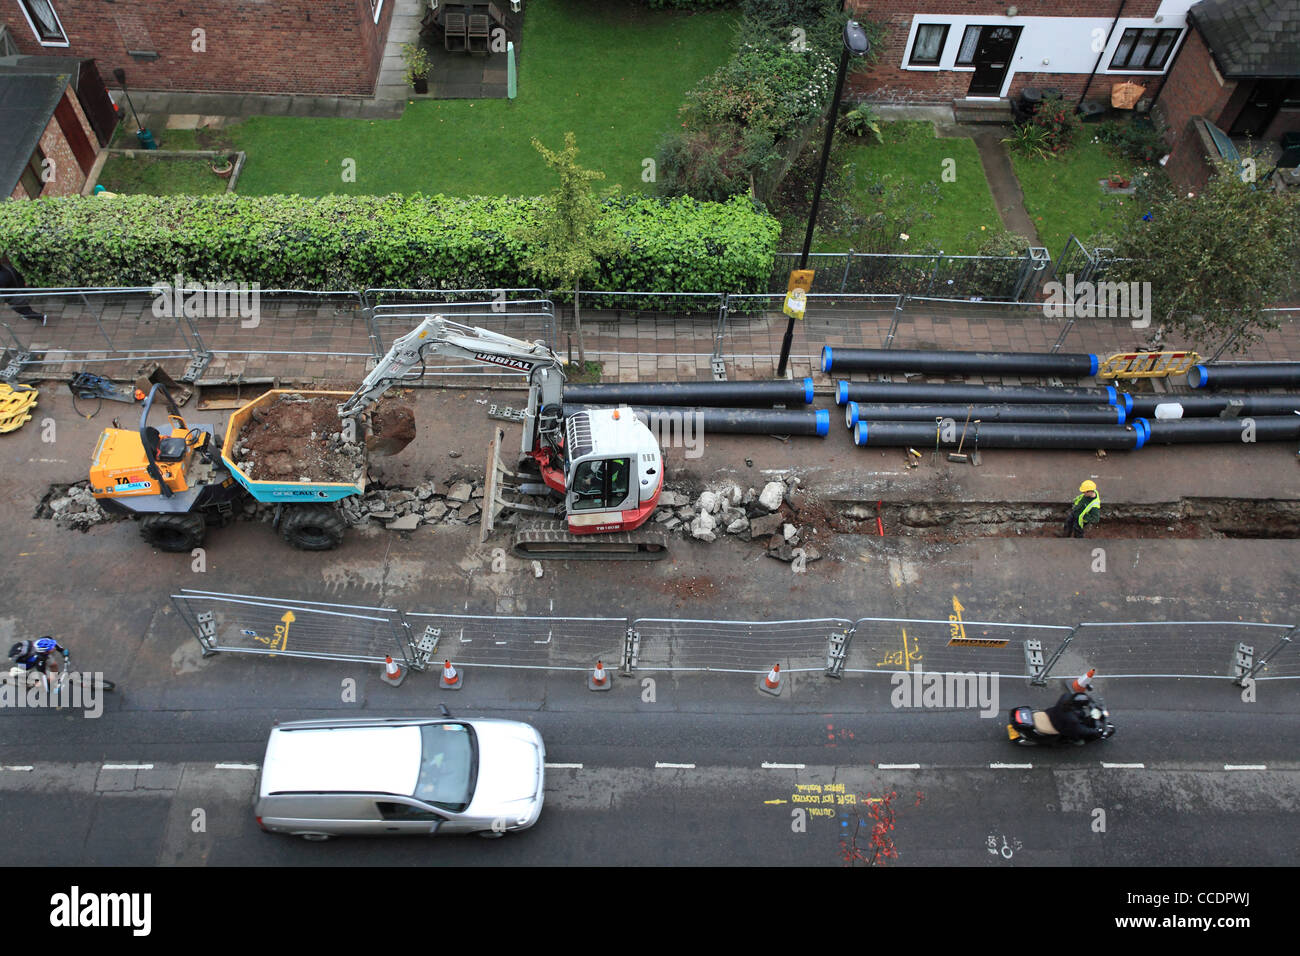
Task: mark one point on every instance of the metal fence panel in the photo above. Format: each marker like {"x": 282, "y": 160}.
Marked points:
{"x": 253, "y": 624}
{"x": 554, "y": 643}
{"x": 891, "y": 645}
{"x": 296, "y": 335}
{"x": 1172, "y": 649}
{"x": 108, "y": 332}
{"x": 742, "y": 647}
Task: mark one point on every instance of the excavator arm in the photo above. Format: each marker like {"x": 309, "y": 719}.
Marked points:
{"x": 438, "y": 336}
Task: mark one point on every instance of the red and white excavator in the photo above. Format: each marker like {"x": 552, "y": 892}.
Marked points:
{"x": 605, "y": 465}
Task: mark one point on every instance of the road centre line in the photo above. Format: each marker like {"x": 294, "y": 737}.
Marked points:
{"x": 782, "y": 766}
{"x": 1011, "y": 766}
{"x": 1245, "y": 766}
{"x": 19, "y": 769}
{"x": 563, "y": 766}
{"x": 235, "y": 766}
{"x": 1123, "y": 766}
{"x": 898, "y": 766}
{"x": 674, "y": 766}
{"x": 127, "y": 766}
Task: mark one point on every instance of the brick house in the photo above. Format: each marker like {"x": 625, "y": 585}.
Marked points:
{"x": 974, "y": 53}
{"x": 50, "y": 141}
{"x": 1238, "y": 70}
{"x": 320, "y": 47}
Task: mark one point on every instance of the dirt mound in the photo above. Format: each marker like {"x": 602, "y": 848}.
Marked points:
{"x": 299, "y": 439}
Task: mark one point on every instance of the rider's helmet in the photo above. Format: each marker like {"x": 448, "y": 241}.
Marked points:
{"x": 20, "y": 650}
{"x": 46, "y": 644}
{"x": 1081, "y": 701}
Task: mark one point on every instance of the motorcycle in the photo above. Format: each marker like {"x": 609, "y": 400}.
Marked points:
{"x": 1031, "y": 728}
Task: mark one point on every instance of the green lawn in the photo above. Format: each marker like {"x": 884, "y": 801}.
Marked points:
{"x": 905, "y": 176}
{"x": 1062, "y": 194}
{"x": 160, "y": 177}
{"x": 612, "y": 71}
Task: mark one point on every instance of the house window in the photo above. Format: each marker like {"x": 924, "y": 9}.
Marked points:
{"x": 31, "y": 180}
{"x": 928, "y": 45}
{"x": 44, "y": 22}
{"x": 1143, "y": 49}
{"x": 969, "y": 40}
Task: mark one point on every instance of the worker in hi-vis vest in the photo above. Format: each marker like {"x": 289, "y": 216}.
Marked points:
{"x": 1085, "y": 511}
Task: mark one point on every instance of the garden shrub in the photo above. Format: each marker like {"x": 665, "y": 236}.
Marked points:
{"x": 357, "y": 242}
{"x": 1059, "y": 122}
{"x": 1136, "y": 139}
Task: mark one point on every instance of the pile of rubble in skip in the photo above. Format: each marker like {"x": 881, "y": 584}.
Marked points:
{"x": 767, "y": 516}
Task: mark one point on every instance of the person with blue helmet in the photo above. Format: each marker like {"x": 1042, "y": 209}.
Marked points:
{"x": 34, "y": 655}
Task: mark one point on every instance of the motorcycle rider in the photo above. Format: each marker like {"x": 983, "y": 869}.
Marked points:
{"x": 1072, "y": 720}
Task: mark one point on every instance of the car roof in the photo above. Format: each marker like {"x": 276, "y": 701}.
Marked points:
{"x": 375, "y": 759}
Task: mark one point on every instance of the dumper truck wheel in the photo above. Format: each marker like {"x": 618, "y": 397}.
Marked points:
{"x": 312, "y": 527}
{"x": 173, "y": 532}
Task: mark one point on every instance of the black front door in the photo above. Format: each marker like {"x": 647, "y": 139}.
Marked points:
{"x": 993, "y": 59}
{"x": 1260, "y": 108}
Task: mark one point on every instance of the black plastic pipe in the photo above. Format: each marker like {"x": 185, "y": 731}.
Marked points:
{"x": 855, "y": 412}
{"x": 923, "y": 394}
{"x": 1069, "y": 364}
{"x": 667, "y": 420}
{"x": 1255, "y": 375}
{"x": 1001, "y": 435}
{"x": 1199, "y": 405}
{"x": 793, "y": 392}
{"x": 1246, "y": 429}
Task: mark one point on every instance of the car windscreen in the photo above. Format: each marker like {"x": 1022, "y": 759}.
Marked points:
{"x": 447, "y": 766}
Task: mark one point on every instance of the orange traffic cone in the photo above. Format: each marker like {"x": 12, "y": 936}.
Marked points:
{"x": 599, "y": 680}
{"x": 771, "y": 684}
{"x": 393, "y": 674}
{"x": 451, "y": 679}
{"x": 1084, "y": 684}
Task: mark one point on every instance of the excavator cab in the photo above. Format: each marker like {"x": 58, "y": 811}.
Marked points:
{"x": 614, "y": 471}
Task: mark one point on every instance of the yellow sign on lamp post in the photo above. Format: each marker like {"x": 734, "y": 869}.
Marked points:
{"x": 796, "y": 293}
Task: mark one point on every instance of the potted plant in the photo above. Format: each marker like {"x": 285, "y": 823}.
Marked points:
{"x": 223, "y": 166}
{"x": 1118, "y": 181}
{"x": 416, "y": 60}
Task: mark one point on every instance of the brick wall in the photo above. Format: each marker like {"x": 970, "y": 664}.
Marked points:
{"x": 1194, "y": 88}
{"x": 323, "y": 47}
{"x": 68, "y": 177}
{"x": 888, "y": 82}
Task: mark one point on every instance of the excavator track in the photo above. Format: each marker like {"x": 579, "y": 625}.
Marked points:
{"x": 551, "y": 541}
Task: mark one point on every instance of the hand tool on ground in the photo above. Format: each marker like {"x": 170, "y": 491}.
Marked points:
{"x": 957, "y": 455}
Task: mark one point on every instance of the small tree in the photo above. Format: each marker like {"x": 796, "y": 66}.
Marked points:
{"x": 1215, "y": 259}
{"x": 571, "y": 239}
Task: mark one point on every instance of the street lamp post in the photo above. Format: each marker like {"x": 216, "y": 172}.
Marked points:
{"x": 855, "y": 44}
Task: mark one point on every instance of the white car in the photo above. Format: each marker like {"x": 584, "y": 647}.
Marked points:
{"x": 412, "y": 775}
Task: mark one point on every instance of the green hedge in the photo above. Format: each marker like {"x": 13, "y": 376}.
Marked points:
{"x": 688, "y": 4}
{"x": 354, "y": 242}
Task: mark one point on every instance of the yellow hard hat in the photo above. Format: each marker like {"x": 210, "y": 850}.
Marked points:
{"x": 1088, "y": 485}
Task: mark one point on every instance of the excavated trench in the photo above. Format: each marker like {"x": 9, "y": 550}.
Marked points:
{"x": 952, "y": 520}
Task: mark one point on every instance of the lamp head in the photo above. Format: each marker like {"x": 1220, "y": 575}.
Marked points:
{"x": 855, "y": 39}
